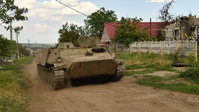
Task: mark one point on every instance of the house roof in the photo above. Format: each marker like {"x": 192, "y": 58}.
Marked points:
{"x": 110, "y": 27}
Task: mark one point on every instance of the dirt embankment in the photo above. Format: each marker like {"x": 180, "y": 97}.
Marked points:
{"x": 122, "y": 96}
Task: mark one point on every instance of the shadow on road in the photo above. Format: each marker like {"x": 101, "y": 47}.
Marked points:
{"x": 90, "y": 81}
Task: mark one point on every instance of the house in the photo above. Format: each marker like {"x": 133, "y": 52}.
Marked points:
{"x": 171, "y": 31}
{"x": 108, "y": 31}
{"x": 182, "y": 29}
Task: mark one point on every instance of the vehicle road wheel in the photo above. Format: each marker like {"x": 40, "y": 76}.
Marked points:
{"x": 119, "y": 74}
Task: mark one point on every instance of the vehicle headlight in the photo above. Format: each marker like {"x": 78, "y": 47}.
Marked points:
{"x": 58, "y": 59}
{"x": 113, "y": 55}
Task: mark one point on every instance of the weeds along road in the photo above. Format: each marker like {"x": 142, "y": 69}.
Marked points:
{"x": 122, "y": 96}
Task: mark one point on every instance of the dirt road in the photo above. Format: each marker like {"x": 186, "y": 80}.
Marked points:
{"x": 122, "y": 96}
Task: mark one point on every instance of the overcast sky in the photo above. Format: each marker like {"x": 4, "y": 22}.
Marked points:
{"x": 45, "y": 17}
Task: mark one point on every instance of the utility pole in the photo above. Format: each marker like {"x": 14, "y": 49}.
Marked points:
{"x": 28, "y": 43}
{"x": 17, "y": 31}
{"x": 11, "y": 30}
{"x": 35, "y": 45}
{"x": 11, "y": 40}
{"x": 29, "y": 46}
{"x": 150, "y": 27}
{"x": 17, "y": 45}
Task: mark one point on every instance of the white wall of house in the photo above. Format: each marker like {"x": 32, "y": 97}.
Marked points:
{"x": 105, "y": 36}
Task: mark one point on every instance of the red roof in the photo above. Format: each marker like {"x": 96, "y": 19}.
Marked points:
{"x": 110, "y": 27}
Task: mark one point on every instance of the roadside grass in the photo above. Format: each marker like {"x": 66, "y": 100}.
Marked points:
{"x": 150, "y": 70}
{"x": 138, "y": 64}
{"x": 146, "y": 60}
{"x": 163, "y": 83}
{"x": 13, "y": 86}
{"x": 191, "y": 74}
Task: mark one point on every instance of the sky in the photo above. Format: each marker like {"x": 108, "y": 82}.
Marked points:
{"x": 46, "y": 17}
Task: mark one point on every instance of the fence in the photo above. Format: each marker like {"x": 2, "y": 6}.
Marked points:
{"x": 158, "y": 47}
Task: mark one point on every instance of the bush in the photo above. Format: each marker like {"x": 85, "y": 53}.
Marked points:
{"x": 191, "y": 73}
{"x": 191, "y": 59}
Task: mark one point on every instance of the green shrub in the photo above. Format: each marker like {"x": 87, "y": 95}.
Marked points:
{"x": 184, "y": 59}
{"x": 191, "y": 73}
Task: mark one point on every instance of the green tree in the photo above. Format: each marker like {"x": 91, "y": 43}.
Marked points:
{"x": 69, "y": 33}
{"x": 83, "y": 30}
{"x": 191, "y": 15}
{"x": 9, "y": 12}
{"x": 17, "y": 31}
{"x": 128, "y": 30}
{"x": 95, "y": 21}
{"x": 23, "y": 51}
{"x": 5, "y": 46}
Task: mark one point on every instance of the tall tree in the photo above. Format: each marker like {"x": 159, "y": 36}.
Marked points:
{"x": 9, "y": 12}
{"x": 69, "y": 33}
{"x": 5, "y": 46}
{"x": 165, "y": 16}
{"x": 17, "y": 31}
{"x": 96, "y": 20}
{"x": 128, "y": 30}
{"x": 23, "y": 51}
{"x": 83, "y": 30}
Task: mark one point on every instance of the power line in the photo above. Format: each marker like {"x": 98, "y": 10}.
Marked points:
{"x": 72, "y": 8}
{"x": 80, "y": 12}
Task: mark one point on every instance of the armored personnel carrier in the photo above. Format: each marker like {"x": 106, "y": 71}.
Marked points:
{"x": 58, "y": 66}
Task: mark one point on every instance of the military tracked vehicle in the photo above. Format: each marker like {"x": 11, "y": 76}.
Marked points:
{"x": 59, "y": 66}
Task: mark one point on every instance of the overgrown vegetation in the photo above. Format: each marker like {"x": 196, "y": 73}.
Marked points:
{"x": 5, "y": 46}
{"x": 147, "y": 61}
{"x": 8, "y": 45}
{"x": 191, "y": 74}
{"x": 139, "y": 64}
{"x": 191, "y": 59}
{"x": 13, "y": 86}
{"x": 129, "y": 30}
